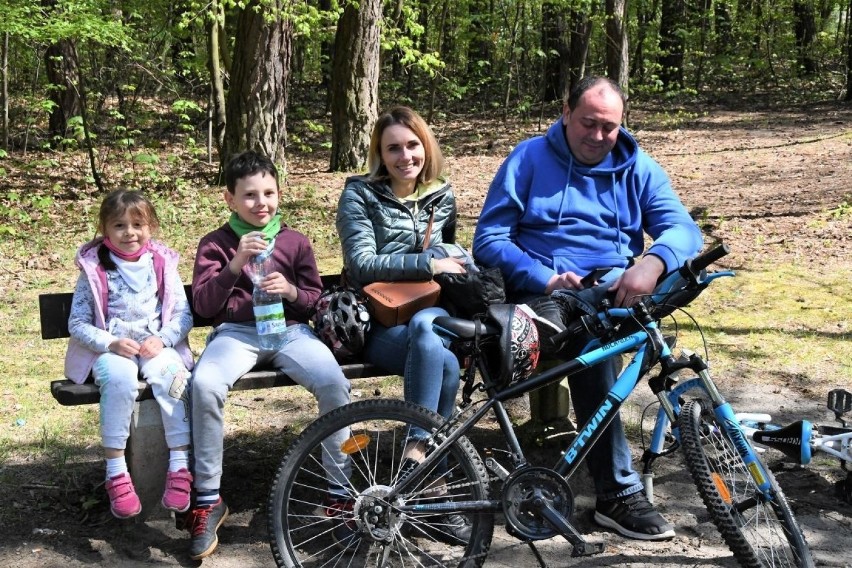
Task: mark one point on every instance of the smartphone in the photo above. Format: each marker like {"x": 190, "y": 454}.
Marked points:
{"x": 592, "y": 277}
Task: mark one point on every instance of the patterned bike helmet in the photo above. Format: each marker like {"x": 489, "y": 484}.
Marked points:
{"x": 341, "y": 319}
{"x": 516, "y": 353}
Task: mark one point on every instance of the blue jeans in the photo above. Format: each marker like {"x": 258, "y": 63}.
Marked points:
{"x": 430, "y": 371}
{"x": 609, "y": 460}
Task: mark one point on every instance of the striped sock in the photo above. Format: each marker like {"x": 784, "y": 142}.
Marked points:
{"x": 207, "y": 498}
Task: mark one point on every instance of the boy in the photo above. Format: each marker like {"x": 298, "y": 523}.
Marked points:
{"x": 222, "y": 290}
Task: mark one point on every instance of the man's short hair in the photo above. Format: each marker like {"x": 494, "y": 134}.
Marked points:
{"x": 573, "y": 97}
{"x": 246, "y": 164}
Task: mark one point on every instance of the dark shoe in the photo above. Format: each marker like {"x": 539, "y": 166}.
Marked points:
{"x": 345, "y": 532}
{"x": 203, "y": 524}
{"x": 634, "y": 517}
{"x": 453, "y": 529}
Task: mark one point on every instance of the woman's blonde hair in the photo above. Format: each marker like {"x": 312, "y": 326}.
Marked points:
{"x": 433, "y": 165}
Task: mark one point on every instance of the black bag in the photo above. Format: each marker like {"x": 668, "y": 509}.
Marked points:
{"x": 469, "y": 294}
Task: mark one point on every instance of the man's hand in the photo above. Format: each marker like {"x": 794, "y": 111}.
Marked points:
{"x": 251, "y": 244}
{"x": 151, "y": 347}
{"x": 564, "y": 281}
{"x": 637, "y": 281}
{"x": 124, "y": 347}
{"x": 277, "y": 283}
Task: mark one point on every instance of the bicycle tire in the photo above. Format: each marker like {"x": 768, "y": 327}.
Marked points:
{"x": 761, "y": 533}
{"x": 301, "y": 531}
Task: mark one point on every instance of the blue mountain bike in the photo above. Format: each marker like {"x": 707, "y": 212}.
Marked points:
{"x": 381, "y": 508}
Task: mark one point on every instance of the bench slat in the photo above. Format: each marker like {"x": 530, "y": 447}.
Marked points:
{"x": 68, "y": 393}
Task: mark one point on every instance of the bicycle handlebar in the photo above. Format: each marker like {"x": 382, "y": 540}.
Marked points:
{"x": 702, "y": 261}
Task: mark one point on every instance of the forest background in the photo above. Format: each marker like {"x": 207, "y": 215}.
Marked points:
{"x": 746, "y": 103}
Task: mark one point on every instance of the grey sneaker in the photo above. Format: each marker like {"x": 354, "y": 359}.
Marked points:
{"x": 634, "y": 517}
{"x": 204, "y": 522}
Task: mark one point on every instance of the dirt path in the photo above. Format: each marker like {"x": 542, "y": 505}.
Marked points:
{"x": 757, "y": 180}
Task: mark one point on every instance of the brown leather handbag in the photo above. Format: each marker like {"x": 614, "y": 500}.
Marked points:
{"x": 394, "y": 303}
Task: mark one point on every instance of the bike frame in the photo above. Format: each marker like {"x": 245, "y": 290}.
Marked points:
{"x": 649, "y": 337}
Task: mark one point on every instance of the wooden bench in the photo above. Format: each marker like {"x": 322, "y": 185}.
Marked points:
{"x": 146, "y": 453}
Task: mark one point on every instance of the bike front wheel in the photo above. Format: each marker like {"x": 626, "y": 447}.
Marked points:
{"x": 760, "y": 529}
{"x": 328, "y": 505}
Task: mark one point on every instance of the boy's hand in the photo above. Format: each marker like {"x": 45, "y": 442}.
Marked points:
{"x": 276, "y": 283}
{"x": 124, "y": 347}
{"x": 151, "y": 347}
{"x": 251, "y": 244}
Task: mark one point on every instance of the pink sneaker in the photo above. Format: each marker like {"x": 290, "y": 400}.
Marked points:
{"x": 178, "y": 486}
{"x": 123, "y": 501}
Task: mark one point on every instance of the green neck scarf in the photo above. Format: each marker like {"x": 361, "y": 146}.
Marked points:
{"x": 270, "y": 230}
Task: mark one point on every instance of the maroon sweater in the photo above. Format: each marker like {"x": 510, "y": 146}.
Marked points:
{"x": 224, "y": 297}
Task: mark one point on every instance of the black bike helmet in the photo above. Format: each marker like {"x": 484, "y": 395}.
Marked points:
{"x": 341, "y": 319}
{"x": 515, "y": 355}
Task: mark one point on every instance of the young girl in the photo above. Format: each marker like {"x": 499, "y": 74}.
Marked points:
{"x": 129, "y": 316}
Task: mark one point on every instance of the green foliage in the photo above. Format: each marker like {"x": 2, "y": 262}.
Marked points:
{"x": 842, "y": 211}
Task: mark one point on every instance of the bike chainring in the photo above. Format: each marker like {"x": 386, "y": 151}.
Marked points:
{"x": 524, "y": 491}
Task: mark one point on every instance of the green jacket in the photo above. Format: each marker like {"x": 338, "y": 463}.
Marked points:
{"x": 382, "y": 239}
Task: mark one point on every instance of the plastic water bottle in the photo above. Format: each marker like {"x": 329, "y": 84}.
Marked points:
{"x": 268, "y": 308}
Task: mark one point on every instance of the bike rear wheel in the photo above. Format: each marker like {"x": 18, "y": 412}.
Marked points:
{"x": 304, "y": 529}
{"x": 761, "y": 532}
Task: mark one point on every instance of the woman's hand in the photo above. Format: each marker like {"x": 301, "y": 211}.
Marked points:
{"x": 251, "y": 245}
{"x": 151, "y": 347}
{"x": 449, "y": 265}
{"x": 276, "y": 283}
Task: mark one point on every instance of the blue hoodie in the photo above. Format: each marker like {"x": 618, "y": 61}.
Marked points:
{"x": 546, "y": 214}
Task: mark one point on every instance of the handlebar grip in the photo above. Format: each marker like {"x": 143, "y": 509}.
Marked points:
{"x": 702, "y": 261}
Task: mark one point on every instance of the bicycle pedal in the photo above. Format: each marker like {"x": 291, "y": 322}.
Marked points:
{"x": 839, "y": 402}
{"x": 587, "y": 548}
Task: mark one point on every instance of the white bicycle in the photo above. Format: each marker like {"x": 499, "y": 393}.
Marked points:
{"x": 800, "y": 440}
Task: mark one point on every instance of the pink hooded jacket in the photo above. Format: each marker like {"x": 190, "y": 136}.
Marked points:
{"x": 79, "y": 359}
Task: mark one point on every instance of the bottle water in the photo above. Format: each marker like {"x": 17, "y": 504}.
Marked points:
{"x": 268, "y": 308}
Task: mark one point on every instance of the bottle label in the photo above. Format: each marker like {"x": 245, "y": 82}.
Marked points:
{"x": 270, "y": 319}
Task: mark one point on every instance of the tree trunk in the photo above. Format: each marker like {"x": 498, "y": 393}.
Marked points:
{"x": 805, "y": 30}
{"x": 849, "y": 51}
{"x": 63, "y": 73}
{"x": 554, "y": 44}
{"x": 581, "y": 29}
{"x": 355, "y": 90}
{"x": 671, "y": 43}
{"x": 617, "y": 55}
{"x": 215, "y": 21}
{"x": 724, "y": 27}
{"x": 259, "y": 83}
{"x": 4, "y": 69}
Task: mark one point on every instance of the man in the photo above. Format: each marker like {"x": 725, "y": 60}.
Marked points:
{"x": 580, "y": 198}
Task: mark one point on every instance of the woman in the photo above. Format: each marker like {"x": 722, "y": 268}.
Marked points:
{"x": 383, "y": 219}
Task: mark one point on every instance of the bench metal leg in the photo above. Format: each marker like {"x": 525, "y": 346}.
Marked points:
{"x": 147, "y": 457}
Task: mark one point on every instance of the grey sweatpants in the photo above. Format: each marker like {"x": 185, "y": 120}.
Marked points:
{"x": 117, "y": 379}
{"x": 232, "y": 350}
